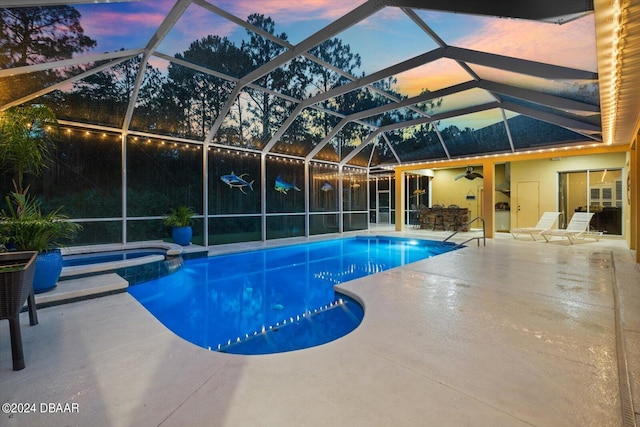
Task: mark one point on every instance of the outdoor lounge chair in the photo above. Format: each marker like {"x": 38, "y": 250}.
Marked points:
{"x": 545, "y": 223}
{"x": 578, "y": 227}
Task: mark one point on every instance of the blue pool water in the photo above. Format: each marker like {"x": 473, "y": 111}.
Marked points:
{"x": 274, "y": 300}
{"x": 101, "y": 257}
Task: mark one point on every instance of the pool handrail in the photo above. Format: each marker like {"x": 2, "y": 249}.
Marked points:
{"x": 461, "y": 227}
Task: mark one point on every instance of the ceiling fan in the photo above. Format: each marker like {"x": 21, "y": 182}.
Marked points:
{"x": 469, "y": 174}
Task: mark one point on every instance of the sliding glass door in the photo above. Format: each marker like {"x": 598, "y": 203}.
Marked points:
{"x": 596, "y": 191}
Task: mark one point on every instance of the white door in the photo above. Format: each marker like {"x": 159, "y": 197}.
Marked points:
{"x": 528, "y": 204}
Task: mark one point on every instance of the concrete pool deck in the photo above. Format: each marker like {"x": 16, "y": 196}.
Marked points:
{"x": 514, "y": 333}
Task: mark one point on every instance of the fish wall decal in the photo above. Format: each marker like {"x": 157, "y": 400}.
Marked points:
{"x": 283, "y": 186}
{"x": 233, "y": 180}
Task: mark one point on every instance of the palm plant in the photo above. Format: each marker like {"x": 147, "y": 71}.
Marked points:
{"x": 25, "y": 226}
{"x": 179, "y": 217}
{"x": 180, "y": 220}
{"x": 25, "y": 138}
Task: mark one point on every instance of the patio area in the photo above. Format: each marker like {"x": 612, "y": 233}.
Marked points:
{"x": 514, "y": 333}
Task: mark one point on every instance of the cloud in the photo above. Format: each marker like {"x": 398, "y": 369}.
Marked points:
{"x": 388, "y": 19}
{"x": 195, "y": 24}
{"x": 113, "y": 23}
{"x": 433, "y": 76}
{"x": 290, "y": 11}
{"x": 569, "y": 45}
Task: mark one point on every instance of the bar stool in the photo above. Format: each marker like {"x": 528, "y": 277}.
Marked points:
{"x": 456, "y": 222}
{"x": 438, "y": 216}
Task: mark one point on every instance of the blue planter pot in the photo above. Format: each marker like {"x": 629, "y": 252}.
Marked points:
{"x": 182, "y": 235}
{"x": 48, "y": 269}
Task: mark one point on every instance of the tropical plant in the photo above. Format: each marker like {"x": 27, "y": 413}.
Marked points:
{"x": 25, "y": 226}
{"x": 25, "y": 138}
{"x": 179, "y": 217}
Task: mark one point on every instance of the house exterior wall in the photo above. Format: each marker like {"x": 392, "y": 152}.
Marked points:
{"x": 545, "y": 171}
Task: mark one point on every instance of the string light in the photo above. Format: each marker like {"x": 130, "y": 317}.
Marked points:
{"x": 347, "y": 169}
{"x": 284, "y": 159}
{"x": 616, "y": 65}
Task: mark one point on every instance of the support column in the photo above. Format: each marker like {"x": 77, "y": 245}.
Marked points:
{"x": 340, "y": 199}
{"x": 634, "y": 192}
{"x": 489, "y": 198}
{"x": 307, "y": 202}
{"x": 400, "y": 189}
{"x": 205, "y": 193}
{"x": 263, "y": 197}
{"x": 123, "y": 145}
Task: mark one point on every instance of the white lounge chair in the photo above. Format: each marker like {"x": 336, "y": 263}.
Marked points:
{"x": 545, "y": 223}
{"x": 578, "y": 227}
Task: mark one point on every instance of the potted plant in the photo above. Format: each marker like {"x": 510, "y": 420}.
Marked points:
{"x": 26, "y": 135}
{"x": 24, "y": 226}
{"x": 179, "y": 219}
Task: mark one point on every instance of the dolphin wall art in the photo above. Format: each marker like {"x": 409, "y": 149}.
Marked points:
{"x": 283, "y": 186}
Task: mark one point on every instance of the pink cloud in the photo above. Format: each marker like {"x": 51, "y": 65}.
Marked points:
{"x": 194, "y": 24}
{"x": 300, "y": 10}
{"x": 433, "y": 76}
{"x": 382, "y": 20}
{"x": 197, "y": 22}
{"x": 570, "y": 45}
{"x": 110, "y": 23}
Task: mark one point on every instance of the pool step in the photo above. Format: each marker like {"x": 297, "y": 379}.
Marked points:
{"x": 82, "y": 288}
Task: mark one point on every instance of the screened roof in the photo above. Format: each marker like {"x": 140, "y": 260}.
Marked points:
{"x": 367, "y": 83}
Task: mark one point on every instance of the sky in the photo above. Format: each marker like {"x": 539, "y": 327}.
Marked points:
{"x": 380, "y": 39}
{"x": 383, "y": 39}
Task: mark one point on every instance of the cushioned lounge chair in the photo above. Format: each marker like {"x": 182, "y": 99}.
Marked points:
{"x": 577, "y": 228}
{"x": 545, "y": 223}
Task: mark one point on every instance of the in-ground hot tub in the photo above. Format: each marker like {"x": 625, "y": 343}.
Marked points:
{"x": 135, "y": 262}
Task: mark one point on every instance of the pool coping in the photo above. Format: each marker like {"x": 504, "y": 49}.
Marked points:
{"x": 82, "y": 288}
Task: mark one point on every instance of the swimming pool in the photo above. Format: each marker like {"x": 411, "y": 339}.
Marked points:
{"x": 274, "y": 300}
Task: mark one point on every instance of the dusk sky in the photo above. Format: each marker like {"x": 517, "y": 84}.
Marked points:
{"x": 379, "y": 39}
{"x": 382, "y": 40}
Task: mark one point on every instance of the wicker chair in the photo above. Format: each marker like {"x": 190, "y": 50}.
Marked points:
{"x": 16, "y": 287}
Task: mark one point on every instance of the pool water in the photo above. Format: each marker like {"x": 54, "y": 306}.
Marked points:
{"x": 274, "y": 300}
